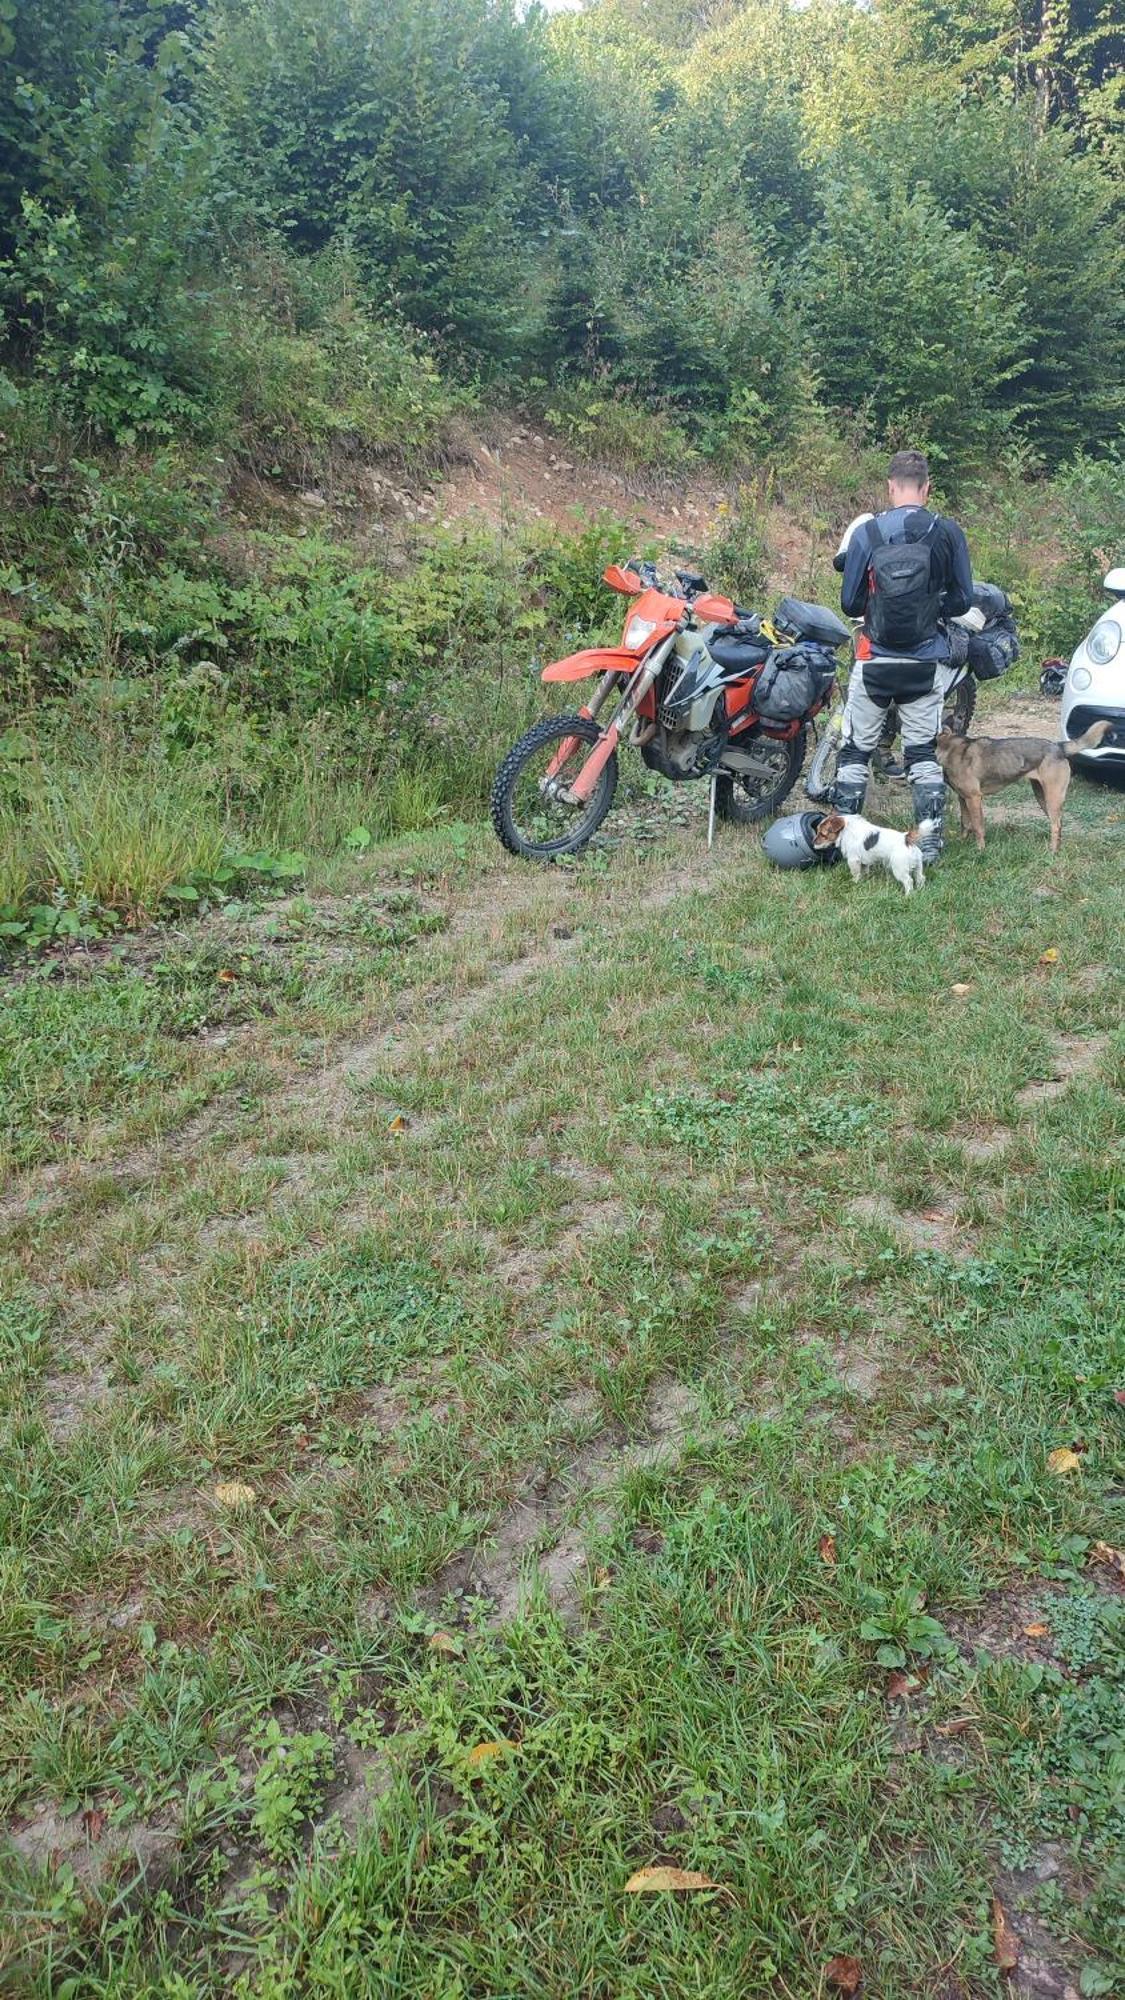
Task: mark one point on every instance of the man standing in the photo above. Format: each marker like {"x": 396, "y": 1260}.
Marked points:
{"x": 906, "y": 571}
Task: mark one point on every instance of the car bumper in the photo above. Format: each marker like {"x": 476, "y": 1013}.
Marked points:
{"x": 1080, "y": 716}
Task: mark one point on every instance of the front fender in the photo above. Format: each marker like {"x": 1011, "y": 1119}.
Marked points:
{"x": 596, "y": 660}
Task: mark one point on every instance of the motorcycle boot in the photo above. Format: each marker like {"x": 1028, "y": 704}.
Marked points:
{"x": 848, "y": 795}
{"x": 929, "y": 810}
{"x": 850, "y": 787}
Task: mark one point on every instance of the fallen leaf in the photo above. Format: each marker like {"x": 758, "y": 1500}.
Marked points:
{"x": 1037, "y": 1631}
{"x": 226, "y": 977}
{"x": 898, "y": 1685}
{"x": 1006, "y": 1942}
{"x": 234, "y": 1493}
{"x": 961, "y": 987}
{"x": 1049, "y": 957}
{"x": 1102, "y": 1552}
{"x": 844, "y": 1975}
{"x": 93, "y": 1822}
{"x": 602, "y": 1579}
{"x": 444, "y": 1642}
{"x": 482, "y": 1752}
{"x": 1119, "y": 1396}
{"x": 1063, "y": 1460}
{"x": 657, "y": 1881}
{"x": 399, "y": 1123}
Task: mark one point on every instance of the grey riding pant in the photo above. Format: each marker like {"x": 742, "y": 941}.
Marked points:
{"x": 865, "y": 717}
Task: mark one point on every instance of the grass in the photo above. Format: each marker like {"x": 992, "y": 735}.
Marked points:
{"x": 114, "y": 836}
{"x": 107, "y": 824}
{"x": 494, "y": 1223}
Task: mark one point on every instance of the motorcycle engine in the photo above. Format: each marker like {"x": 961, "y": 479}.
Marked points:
{"x": 682, "y": 753}
{"x": 691, "y": 716}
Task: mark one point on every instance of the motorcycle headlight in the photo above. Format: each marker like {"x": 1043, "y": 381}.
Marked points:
{"x": 637, "y": 631}
{"x": 1104, "y": 642}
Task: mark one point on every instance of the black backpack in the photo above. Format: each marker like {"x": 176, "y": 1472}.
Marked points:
{"x": 903, "y": 605}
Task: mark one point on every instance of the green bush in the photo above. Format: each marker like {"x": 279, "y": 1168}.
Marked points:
{"x": 301, "y": 400}
{"x": 391, "y": 130}
{"x": 111, "y": 829}
{"x": 109, "y": 281}
{"x": 1044, "y": 214}
{"x": 606, "y": 424}
{"x": 735, "y": 558}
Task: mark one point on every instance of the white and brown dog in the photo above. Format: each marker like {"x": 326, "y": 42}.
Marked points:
{"x": 864, "y": 845}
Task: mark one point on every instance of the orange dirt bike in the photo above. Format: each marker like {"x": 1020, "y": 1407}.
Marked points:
{"x": 700, "y": 688}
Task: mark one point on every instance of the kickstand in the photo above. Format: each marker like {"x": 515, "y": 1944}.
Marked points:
{"x": 711, "y": 814}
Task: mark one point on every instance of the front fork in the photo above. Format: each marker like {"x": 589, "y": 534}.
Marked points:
{"x": 570, "y": 744}
{"x": 578, "y": 793}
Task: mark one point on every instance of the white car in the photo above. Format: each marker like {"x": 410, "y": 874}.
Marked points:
{"x": 1095, "y": 680}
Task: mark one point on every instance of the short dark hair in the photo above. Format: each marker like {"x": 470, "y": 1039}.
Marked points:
{"x": 909, "y": 468}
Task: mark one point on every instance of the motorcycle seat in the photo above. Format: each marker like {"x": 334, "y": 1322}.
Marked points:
{"x": 737, "y": 652}
{"x": 813, "y": 621}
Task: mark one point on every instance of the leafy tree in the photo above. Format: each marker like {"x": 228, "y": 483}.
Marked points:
{"x": 392, "y": 126}
{"x": 1043, "y": 211}
{"x": 1046, "y": 214}
{"x": 913, "y": 326}
{"x": 1067, "y": 57}
{"x": 684, "y": 196}
{"x": 111, "y": 277}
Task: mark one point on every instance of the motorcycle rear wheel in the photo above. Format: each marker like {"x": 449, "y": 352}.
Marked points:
{"x": 541, "y": 827}
{"x": 959, "y": 710}
{"x": 746, "y": 797}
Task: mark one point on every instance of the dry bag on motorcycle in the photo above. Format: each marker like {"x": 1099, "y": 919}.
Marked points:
{"x": 991, "y": 650}
{"x": 793, "y": 682}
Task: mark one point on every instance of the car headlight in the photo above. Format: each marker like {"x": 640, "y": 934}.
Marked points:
{"x": 637, "y": 631}
{"x": 1104, "y": 642}
{"x": 1080, "y": 679}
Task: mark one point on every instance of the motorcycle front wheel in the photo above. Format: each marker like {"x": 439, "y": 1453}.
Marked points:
{"x": 529, "y": 816}
{"x": 746, "y": 796}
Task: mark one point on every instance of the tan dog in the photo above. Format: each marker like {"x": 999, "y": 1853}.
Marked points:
{"x": 975, "y": 765}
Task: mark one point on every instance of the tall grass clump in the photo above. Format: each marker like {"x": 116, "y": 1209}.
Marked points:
{"x": 107, "y": 824}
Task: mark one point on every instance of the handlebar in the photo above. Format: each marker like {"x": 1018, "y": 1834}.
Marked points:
{"x": 691, "y": 585}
